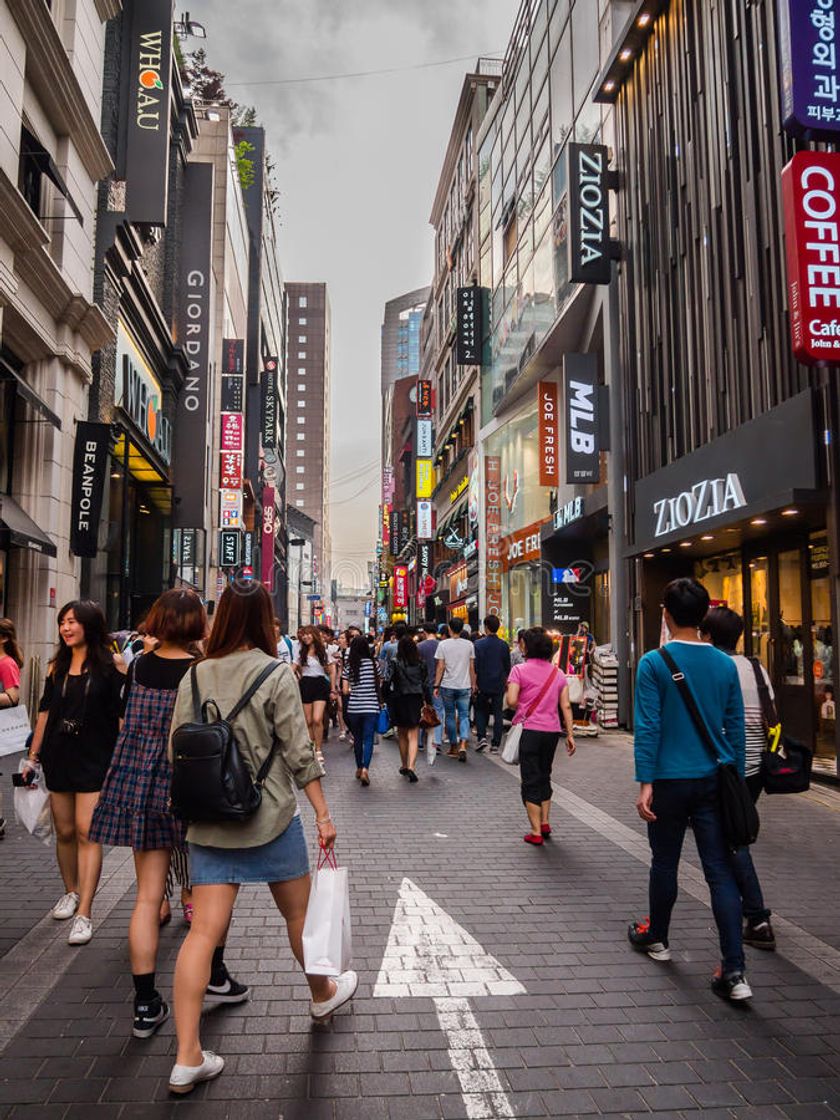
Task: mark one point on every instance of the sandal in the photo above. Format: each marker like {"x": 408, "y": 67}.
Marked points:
{"x": 530, "y": 838}
{"x": 187, "y": 907}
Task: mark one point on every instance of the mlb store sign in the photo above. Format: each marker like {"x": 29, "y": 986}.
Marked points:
{"x": 811, "y": 201}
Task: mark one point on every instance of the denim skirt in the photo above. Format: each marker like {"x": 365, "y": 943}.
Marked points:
{"x": 279, "y": 860}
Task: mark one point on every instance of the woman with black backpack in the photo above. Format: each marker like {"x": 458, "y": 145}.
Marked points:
{"x": 267, "y": 844}
{"x": 408, "y": 688}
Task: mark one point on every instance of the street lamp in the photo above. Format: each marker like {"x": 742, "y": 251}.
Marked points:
{"x": 299, "y": 542}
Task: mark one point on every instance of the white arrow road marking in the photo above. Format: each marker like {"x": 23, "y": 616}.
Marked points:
{"x": 430, "y": 954}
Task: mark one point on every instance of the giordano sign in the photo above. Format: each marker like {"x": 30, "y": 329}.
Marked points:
{"x": 138, "y": 394}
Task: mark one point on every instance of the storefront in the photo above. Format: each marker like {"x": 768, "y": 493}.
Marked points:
{"x": 575, "y": 551}
{"x": 746, "y": 515}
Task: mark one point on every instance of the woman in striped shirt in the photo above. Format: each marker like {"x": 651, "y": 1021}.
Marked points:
{"x": 723, "y": 628}
{"x": 360, "y": 683}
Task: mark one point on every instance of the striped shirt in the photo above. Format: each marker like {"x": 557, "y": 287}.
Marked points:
{"x": 756, "y": 732}
{"x": 364, "y": 696}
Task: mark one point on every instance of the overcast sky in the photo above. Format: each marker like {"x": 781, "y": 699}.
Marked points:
{"x": 358, "y": 162}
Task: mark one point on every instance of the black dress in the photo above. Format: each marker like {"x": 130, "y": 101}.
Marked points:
{"x": 78, "y": 763}
{"x": 408, "y": 688}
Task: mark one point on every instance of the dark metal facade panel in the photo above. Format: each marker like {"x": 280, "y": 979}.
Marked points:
{"x": 703, "y": 292}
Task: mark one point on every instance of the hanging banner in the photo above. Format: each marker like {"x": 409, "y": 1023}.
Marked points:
{"x": 232, "y": 393}
{"x": 233, "y": 355}
{"x": 230, "y": 472}
{"x": 580, "y": 411}
{"x": 230, "y": 542}
{"x": 405, "y": 529}
{"x": 469, "y": 326}
{"x": 493, "y": 533}
{"x": 230, "y": 509}
{"x": 548, "y": 433}
{"x": 388, "y": 484}
{"x": 424, "y": 398}
{"x": 267, "y": 543}
{"x": 193, "y": 334}
{"x": 400, "y": 600}
{"x": 811, "y": 199}
{"x": 425, "y": 478}
{"x": 232, "y": 431}
{"x": 424, "y": 439}
{"x": 424, "y": 521}
{"x": 268, "y": 404}
{"x": 589, "y": 215}
{"x": 145, "y": 124}
{"x": 90, "y": 464}
{"x": 809, "y": 81}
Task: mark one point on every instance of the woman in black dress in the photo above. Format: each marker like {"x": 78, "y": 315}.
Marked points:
{"x": 408, "y": 688}
{"x": 77, "y": 727}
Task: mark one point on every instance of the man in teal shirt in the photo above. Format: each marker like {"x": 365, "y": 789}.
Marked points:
{"x": 679, "y": 780}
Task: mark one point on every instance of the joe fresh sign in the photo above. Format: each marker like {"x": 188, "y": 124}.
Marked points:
{"x": 811, "y": 199}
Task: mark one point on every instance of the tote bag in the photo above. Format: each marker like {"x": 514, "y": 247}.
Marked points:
{"x": 327, "y": 938}
{"x": 14, "y": 729}
{"x": 510, "y": 751}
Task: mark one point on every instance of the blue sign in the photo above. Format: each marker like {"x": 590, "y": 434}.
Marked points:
{"x": 368, "y": 607}
{"x": 808, "y": 58}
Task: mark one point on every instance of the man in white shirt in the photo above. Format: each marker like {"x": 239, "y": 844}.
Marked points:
{"x": 455, "y": 683}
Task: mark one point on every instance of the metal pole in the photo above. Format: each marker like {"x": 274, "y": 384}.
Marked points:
{"x": 300, "y": 587}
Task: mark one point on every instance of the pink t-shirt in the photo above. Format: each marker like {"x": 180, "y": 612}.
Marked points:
{"x": 531, "y": 676}
{"x": 9, "y": 672}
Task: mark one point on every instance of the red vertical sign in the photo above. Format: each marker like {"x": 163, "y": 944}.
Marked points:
{"x": 400, "y": 587}
{"x": 267, "y": 540}
{"x": 548, "y": 434}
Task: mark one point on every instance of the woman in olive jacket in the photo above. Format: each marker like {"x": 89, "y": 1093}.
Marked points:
{"x": 268, "y": 847}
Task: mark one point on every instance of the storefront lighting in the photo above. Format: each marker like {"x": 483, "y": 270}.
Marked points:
{"x": 609, "y": 87}
{"x": 626, "y": 54}
{"x": 707, "y": 537}
{"x": 115, "y": 474}
{"x": 790, "y": 512}
{"x": 759, "y": 521}
{"x": 629, "y": 45}
{"x": 644, "y": 19}
{"x": 686, "y": 544}
{"x": 666, "y": 549}
{"x": 648, "y": 556}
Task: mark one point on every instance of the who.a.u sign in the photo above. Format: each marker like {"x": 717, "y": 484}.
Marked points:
{"x": 811, "y": 201}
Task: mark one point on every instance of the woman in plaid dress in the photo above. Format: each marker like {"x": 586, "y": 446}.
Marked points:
{"x": 133, "y": 809}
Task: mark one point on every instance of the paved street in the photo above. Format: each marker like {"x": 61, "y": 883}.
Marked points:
{"x": 598, "y": 1030}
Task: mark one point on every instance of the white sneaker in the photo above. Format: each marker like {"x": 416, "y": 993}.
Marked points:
{"x": 66, "y": 906}
{"x": 184, "y": 1079}
{"x": 81, "y": 931}
{"x": 345, "y": 988}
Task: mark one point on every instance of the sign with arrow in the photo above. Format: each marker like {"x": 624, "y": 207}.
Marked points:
{"x": 429, "y": 955}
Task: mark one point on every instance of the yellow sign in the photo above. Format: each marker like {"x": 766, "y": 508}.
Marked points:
{"x": 424, "y": 478}
{"x": 456, "y": 493}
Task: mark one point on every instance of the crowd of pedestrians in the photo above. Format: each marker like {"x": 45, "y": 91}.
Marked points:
{"x": 104, "y": 740}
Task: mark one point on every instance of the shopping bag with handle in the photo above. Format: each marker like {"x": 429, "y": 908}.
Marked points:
{"x": 327, "y": 942}
{"x": 32, "y": 804}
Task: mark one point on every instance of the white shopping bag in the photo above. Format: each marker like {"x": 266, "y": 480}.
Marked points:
{"x": 32, "y": 806}
{"x": 510, "y": 751}
{"x": 14, "y": 729}
{"x": 327, "y": 942}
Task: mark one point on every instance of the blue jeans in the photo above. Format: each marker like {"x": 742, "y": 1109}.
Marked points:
{"x": 677, "y": 801}
{"x": 745, "y": 874}
{"x": 362, "y": 728}
{"x": 434, "y": 735}
{"x": 456, "y": 703}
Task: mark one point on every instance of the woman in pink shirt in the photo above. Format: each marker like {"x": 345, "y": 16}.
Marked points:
{"x": 11, "y": 663}
{"x": 539, "y": 692}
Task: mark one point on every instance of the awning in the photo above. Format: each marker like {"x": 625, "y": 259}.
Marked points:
{"x": 18, "y": 530}
{"x": 7, "y": 373}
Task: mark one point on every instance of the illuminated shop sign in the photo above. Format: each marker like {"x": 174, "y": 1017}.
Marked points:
{"x": 459, "y": 488}
{"x": 146, "y": 123}
{"x": 808, "y": 60}
{"x": 583, "y": 460}
{"x": 470, "y": 326}
{"x": 548, "y": 433}
{"x": 138, "y": 394}
{"x": 706, "y": 499}
{"x": 589, "y": 214}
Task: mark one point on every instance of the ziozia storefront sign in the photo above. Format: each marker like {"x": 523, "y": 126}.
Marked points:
{"x": 706, "y": 499}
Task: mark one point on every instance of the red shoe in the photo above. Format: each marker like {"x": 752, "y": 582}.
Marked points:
{"x": 530, "y": 838}
{"x": 545, "y": 829}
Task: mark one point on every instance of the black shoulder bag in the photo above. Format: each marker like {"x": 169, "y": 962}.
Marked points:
{"x": 785, "y": 763}
{"x": 737, "y": 809}
{"x": 210, "y": 779}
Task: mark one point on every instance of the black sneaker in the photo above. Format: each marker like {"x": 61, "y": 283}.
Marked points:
{"x": 638, "y": 934}
{"x": 760, "y": 935}
{"x": 226, "y": 989}
{"x": 732, "y": 986}
{"x": 148, "y": 1016}
{"x": 481, "y": 745}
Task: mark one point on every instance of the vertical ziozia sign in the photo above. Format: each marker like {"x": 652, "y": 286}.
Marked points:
{"x": 147, "y": 78}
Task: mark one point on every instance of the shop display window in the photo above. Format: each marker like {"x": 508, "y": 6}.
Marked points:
{"x": 822, "y": 642}
{"x": 722, "y": 577}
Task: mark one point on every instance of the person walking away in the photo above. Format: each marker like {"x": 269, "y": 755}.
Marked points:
{"x": 407, "y": 689}
{"x": 426, "y": 647}
{"x": 492, "y": 667}
{"x": 285, "y": 651}
{"x": 133, "y": 808}
{"x": 75, "y": 735}
{"x": 11, "y": 663}
{"x": 317, "y": 683}
{"x": 540, "y": 694}
{"x": 360, "y": 686}
{"x": 455, "y": 683}
{"x": 267, "y": 847}
{"x": 723, "y": 628}
{"x": 517, "y": 652}
{"x": 678, "y": 779}
{"x": 332, "y": 648}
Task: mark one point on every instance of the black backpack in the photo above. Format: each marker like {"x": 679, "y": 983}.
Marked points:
{"x": 210, "y": 780}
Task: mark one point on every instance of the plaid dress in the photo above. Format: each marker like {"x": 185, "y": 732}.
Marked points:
{"x": 133, "y": 809}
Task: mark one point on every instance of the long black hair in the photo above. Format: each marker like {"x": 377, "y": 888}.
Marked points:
{"x": 407, "y": 651}
{"x": 359, "y": 652}
{"x": 99, "y": 656}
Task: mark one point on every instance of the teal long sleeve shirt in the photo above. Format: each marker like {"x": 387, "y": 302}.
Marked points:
{"x": 666, "y": 743}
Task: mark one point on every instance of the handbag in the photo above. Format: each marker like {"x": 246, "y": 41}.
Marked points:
{"x": 785, "y": 763}
{"x": 14, "y": 729}
{"x": 210, "y": 779}
{"x": 737, "y": 808}
{"x": 383, "y": 720}
{"x": 429, "y": 717}
{"x": 510, "y": 751}
{"x": 32, "y": 804}
{"x": 327, "y": 937}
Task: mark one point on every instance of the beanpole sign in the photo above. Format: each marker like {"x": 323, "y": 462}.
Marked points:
{"x": 811, "y": 201}
{"x": 90, "y": 460}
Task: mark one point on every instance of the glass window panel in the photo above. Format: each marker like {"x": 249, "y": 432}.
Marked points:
{"x": 540, "y": 20}
{"x": 542, "y": 213}
{"x": 544, "y": 284}
{"x": 560, "y": 80}
{"x": 557, "y": 22}
{"x": 558, "y": 179}
{"x": 790, "y": 611}
{"x": 539, "y": 64}
{"x": 584, "y": 49}
{"x": 588, "y": 123}
{"x": 542, "y": 166}
{"x": 540, "y": 111}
